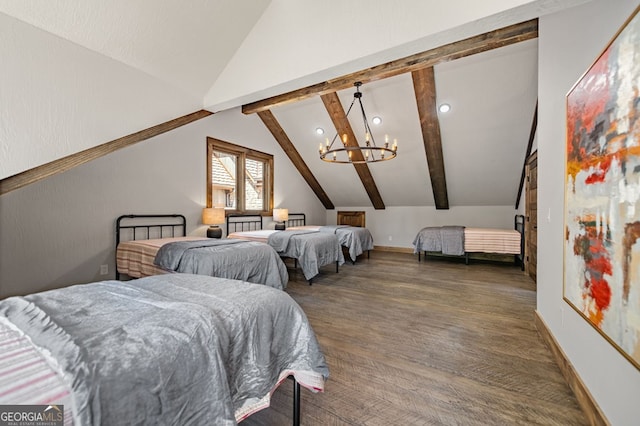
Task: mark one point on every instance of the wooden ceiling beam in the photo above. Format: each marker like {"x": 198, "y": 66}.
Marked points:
{"x": 449, "y": 52}
{"x": 70, "y": 161}
{"x": 280, "y": 135}
{"x": 343, "y": 127}
{"x": 424, "y": 84}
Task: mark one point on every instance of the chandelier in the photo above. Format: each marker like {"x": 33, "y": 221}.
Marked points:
{"x": 344, "y": 152}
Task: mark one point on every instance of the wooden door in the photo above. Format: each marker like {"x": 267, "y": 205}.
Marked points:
{"x": 531, "y": 216}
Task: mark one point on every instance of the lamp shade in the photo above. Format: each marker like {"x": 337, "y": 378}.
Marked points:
{"x": 212, "y": 216}
{"x": 280, "y": 215}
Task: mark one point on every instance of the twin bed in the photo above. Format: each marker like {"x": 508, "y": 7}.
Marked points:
{"x": 463, "y": 241}
{"x": 355, "y": 239}
{"x": 143, "y": 249}
{"x": 311, "y": 249}
{"x": 167, "y": 349}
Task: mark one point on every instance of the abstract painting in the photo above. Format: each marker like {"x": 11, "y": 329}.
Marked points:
{"x": 602, "y": 193}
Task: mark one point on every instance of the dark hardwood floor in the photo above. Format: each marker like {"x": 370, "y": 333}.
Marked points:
{"x": 429, "y": 343}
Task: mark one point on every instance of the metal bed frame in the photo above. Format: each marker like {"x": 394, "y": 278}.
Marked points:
{"x": 179, "y": 222}
{"x": 251, "y": 222}
{"x": 156, "y": 227}
{"x": 518, "y": 225}
{"x": 297, "y": 219}
{"x": 241, "y": 223}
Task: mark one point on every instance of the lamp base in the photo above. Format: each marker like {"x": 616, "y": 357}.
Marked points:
{"x": 280, "y": 227}
{"x": 214, "y": 232}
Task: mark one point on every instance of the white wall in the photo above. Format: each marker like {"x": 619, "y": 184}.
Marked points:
{"x": 59, "y": 231}
{"x": 398, "y": 226}
{"x": 569, "y": 43}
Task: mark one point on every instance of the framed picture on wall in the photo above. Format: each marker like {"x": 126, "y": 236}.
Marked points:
{"x": 602, "y": 193}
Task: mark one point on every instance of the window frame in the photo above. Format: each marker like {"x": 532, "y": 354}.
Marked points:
{"x": 242, "y": 154}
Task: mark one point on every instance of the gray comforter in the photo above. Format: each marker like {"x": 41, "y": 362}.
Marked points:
{"x": 171, "y": 349}
{"x": 356, "y": 239}
{"x": 312, "y": 249}
{"x": 445, "y": 239}
{"x": 225, "y": 258}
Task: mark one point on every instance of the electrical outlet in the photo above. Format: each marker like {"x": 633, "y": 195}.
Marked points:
{"x": 390, "y": 238}
{"x": 104, "y": 269}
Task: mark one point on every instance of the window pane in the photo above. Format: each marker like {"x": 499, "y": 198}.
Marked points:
{"x": 254, "y": 184}
{"x": 223, "y": 178}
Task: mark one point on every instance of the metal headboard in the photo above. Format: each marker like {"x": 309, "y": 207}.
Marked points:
{"x": 147, "y": 226}
{"x": 243, "y": 222}
{"x": 297, "y": 219}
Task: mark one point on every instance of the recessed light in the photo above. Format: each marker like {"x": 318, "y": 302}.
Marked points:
{"x": 444, "y": 108}
{"x": 320, "y": 131}
{"x": 376, "y": 120}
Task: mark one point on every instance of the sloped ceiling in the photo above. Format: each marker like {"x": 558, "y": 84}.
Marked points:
{"x": 186, "y": 43}
{"x": 231, "y": 53}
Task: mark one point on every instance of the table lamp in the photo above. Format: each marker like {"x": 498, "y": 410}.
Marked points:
{"x": 213, "y": 217}
{"x": 280, "y": 216}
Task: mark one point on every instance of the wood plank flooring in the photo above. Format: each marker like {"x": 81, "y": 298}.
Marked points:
{"x": 429, "y": 343}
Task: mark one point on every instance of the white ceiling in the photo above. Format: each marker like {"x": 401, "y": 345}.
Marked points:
{"x": 230, "y": 52}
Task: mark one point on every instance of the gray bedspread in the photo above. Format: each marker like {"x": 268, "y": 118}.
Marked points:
{"x": 312, "y": 249}
{"x": 171, "y": 349}
{"x": 225, "y": 258}
{"x": 445, "y": 239}
{"x": 356, "y": 239}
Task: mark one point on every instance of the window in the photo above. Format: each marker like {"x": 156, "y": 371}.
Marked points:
{"x": 238, "y": 179}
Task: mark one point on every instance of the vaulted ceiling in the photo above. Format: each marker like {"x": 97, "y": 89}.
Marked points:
{"x": 485, "y": 68}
